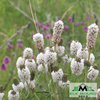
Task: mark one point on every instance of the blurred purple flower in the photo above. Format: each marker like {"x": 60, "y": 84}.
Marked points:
{"x": 68, "y": 43}
{"x": 85, "y": 29}
{"x": 3, "y": 66}
{"x": 77, "y": 24}
{"x": 37, "y": 23}
{"x": 66, "y": 28}
{"x": 70, "y": 19}
{"x": 82, "y": 23}
{"x": 55, "y": 2}
{"x": 32, "y": 34}
{"x": 47, "y": 36}
{"x": 58, "y": 19}
{"x": 19, "y": 45}
{"x": 87, "y": 18}
{"x": 11, "y": 45}
{"x": 36, "y": 67}
{"x": 32, "y": 57}
{"x": 44, "y": 28}
{"x": 7, "y": 60}
{"x": 47, "y": 25}
{"x": 41, "y": 25}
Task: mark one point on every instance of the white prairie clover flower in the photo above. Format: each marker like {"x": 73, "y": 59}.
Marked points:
{"x": 60, "y": 50}
{"x": 40, "y": 58}
{"x": 38, "y": 39}
{"x": 41, "y": 68}
{"x": 92, "y": 58}
{"x": 50, "y": 57}
{"x": 91, "y": 35}
{"x": 20, "y": 62}
{"x": 75, "y": 45}
{"x": 17, "y": 86}
{"x": 58, "y": 26}
{"x": 77, "y": 66}
{"x": 28, "y": 53}
{"x": 24, "y": 74}
{"x": 51, "y": 48}
{"x": 12, "y": 95}
{"x": 92, "y": 73}
{"x": 1, "y": 92}
{"x": 66, "y": 59}
{"x": 57, "y": 30}
{"x": 98, "y": 94}
{"x": 32, "y": 85}
{"x": 30, "y": 63}
{"x": 1, "y": 95}
{"x": 57, "y": 75}
{"x": 64, "y": 82}
{"x": 82, "y": 53}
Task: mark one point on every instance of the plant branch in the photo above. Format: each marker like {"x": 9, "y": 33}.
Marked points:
{"x": 26, "y": 15}
{"x": 8, "y": 40}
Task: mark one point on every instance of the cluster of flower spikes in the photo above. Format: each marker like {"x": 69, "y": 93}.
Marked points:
{"x": 25, "y": 66}
{"x": 83, "y": 58}
{"x": 48, "y": 56}
{"x": 46, "y": 62}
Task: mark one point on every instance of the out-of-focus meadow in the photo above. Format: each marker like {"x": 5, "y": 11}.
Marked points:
{"x": 14, "y": 14}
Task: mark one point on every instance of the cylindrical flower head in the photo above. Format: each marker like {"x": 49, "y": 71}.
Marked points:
{"x": 38, "y": 39}
{"x": 64, "y": 84}
{"x": 92, "y": 73}
{"x": 98, "y": 94}
{"x": 42, "y": 69}
{"x": 12, "y": 95}
{"x": 57, "y": 75}
{"x": 40, "y": 58}
{"x": 82, "y": 53}
{"x": 91, "y": 35}
{"x": 50, "y": 57}
{"x": 24, "y": 74}
{"x": 60, "y": 50}
{"x": 67, "y": 59}
{"x": 77, "y": 66}
{"x": 1, "y": 95}
{"x": 30, "y": 63}
{"x": 92, "y": 58}
{"x": 75, "y": 46}
{"x": 58, "y": 26}
{"x": 28, "y": 53}
{"x": 32, "y": 85}
{"x": 18, "y": 87}
{"x": 20, "y": 62}
{"x": 57, "y": 30}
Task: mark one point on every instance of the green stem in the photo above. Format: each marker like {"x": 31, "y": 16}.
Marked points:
{"x": 36, "y": 96}
{"x": 55, "y": 47}
{"x": 89, "y": 54}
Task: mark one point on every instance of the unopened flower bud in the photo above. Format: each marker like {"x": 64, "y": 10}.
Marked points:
{"x": 15, "y": 81}
{"x": 95, "y": 66}
{"x": 1, "y": 89}
{"x": 13, "y": 92}
{"x": 32, "y": 75}
{"x": 87, "y": 63}
{"x": 55, "y": 68}
{"x": 64, "y": 78}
